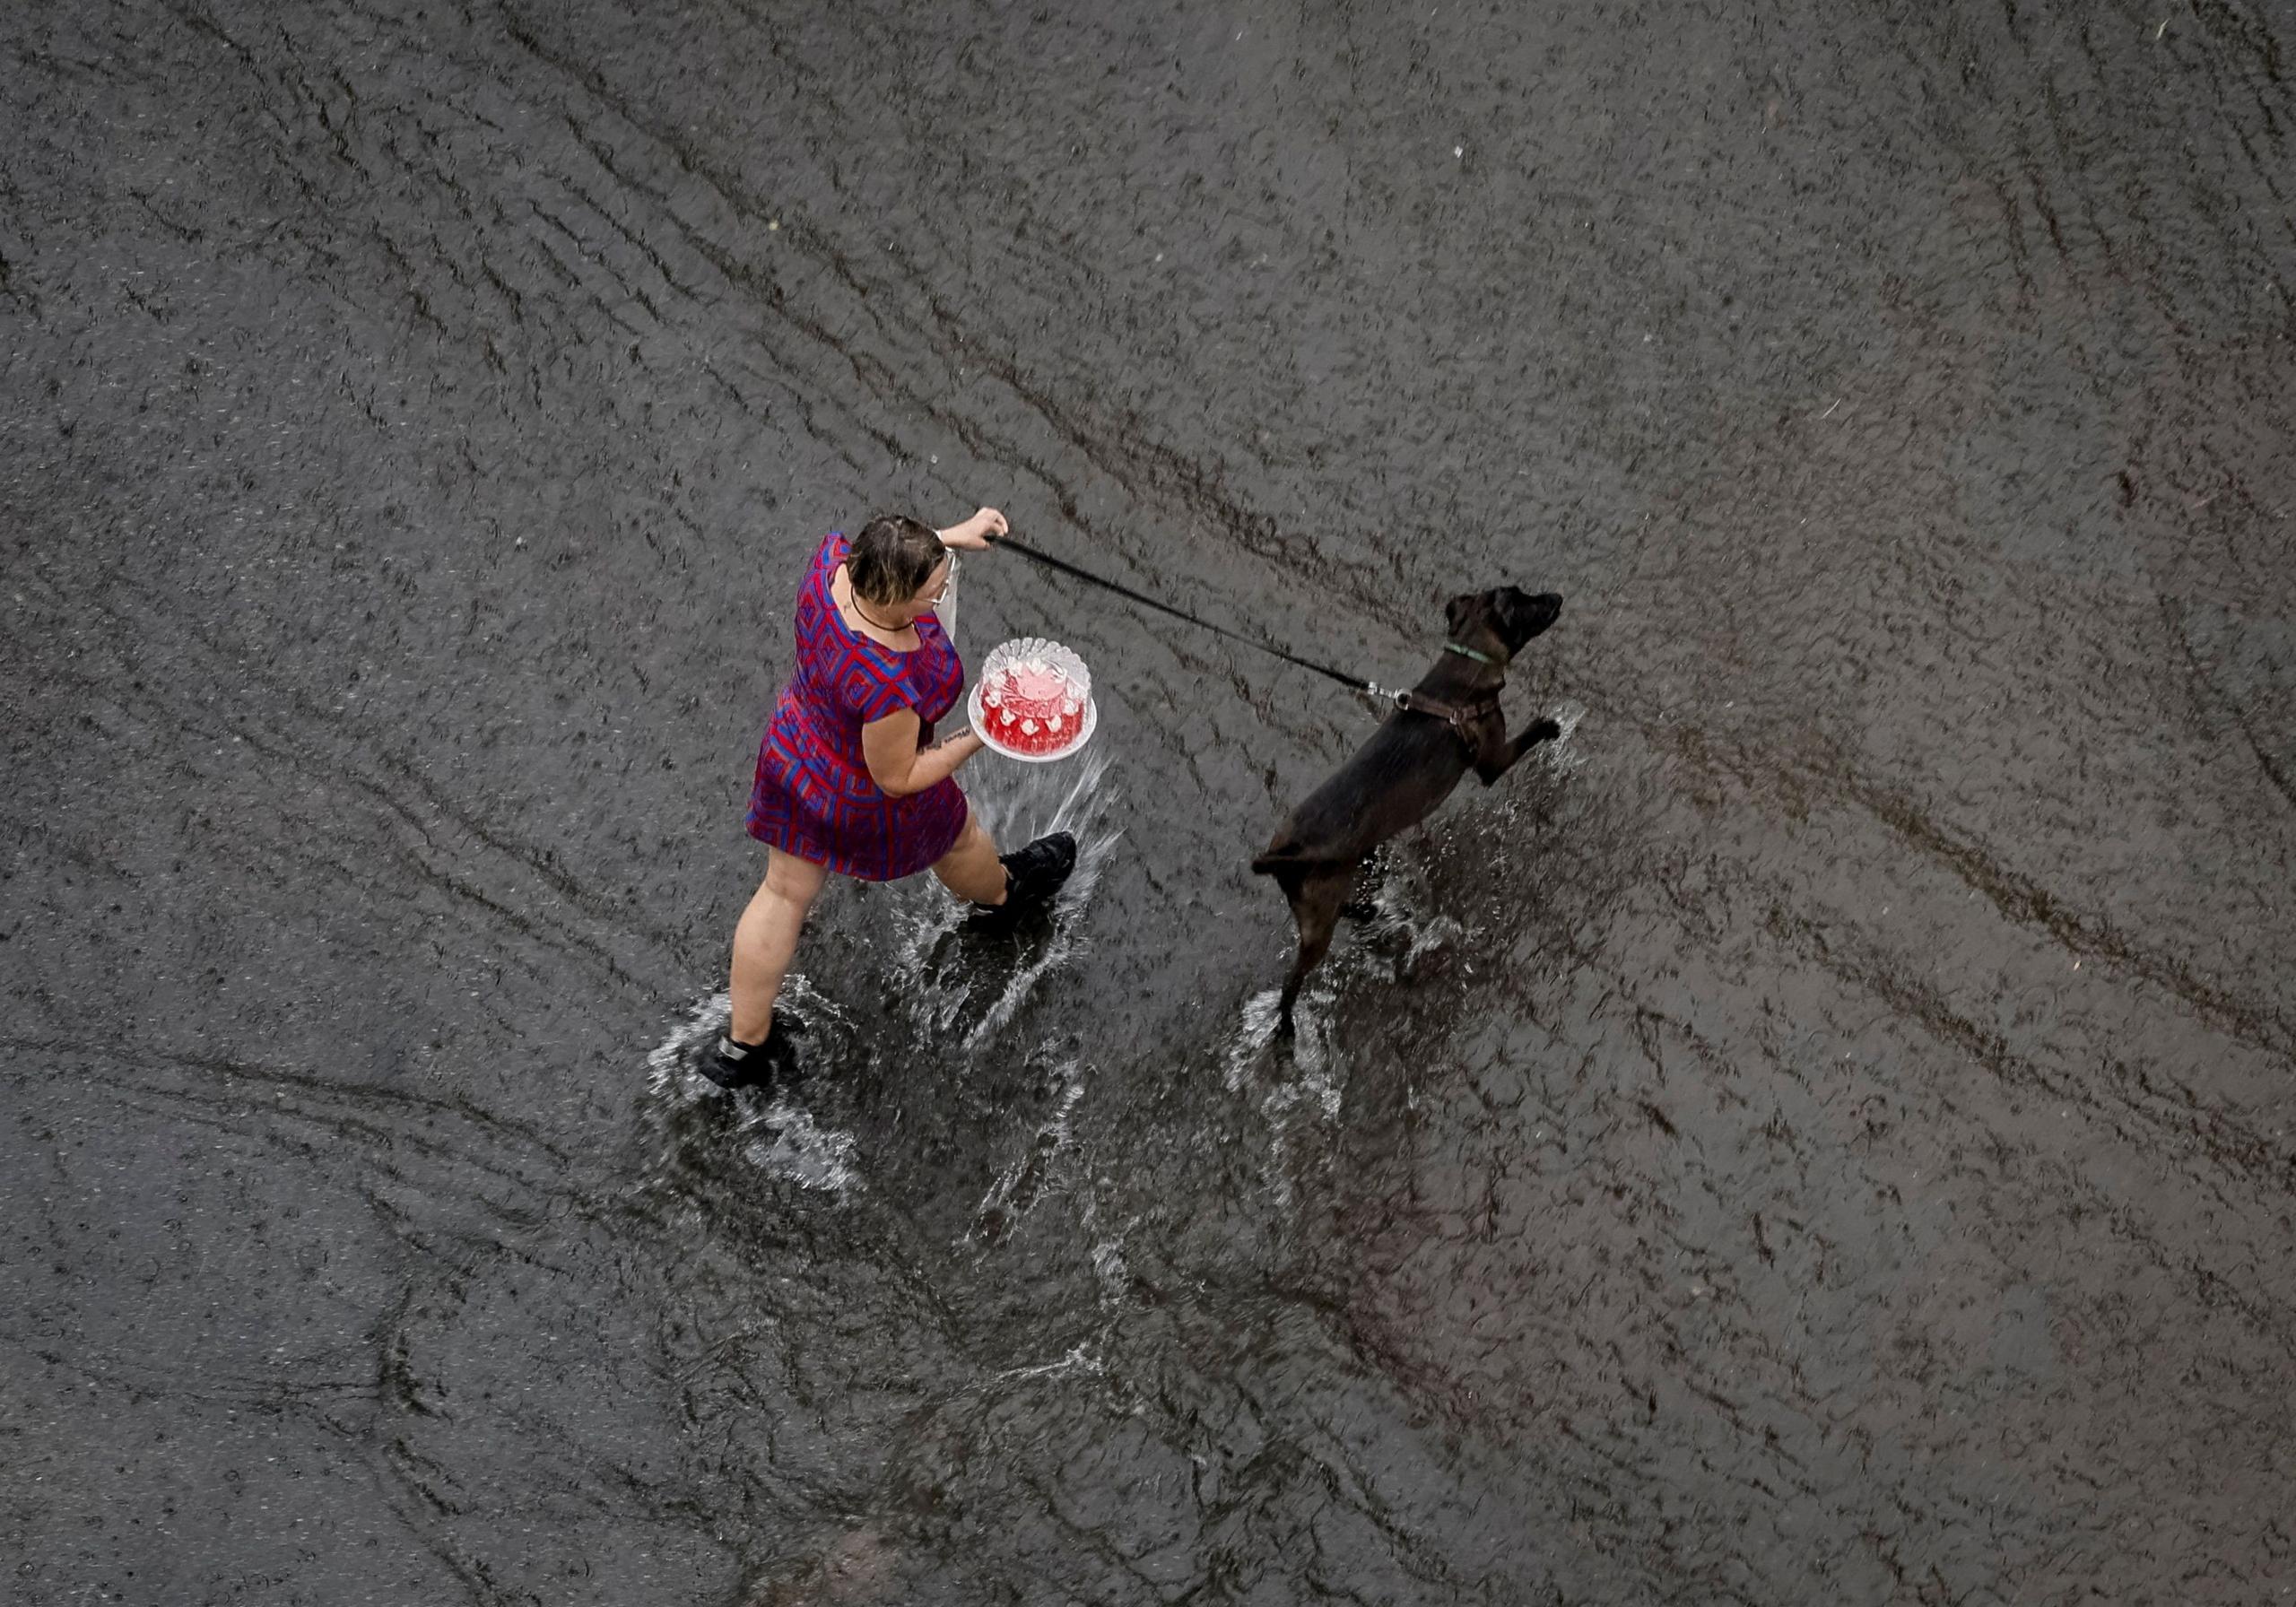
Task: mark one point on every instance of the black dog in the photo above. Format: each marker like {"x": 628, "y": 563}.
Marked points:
{"x": 1449, "y": 722}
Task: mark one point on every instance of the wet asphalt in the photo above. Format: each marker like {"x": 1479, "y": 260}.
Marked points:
{"x": 1824, "y": 1131}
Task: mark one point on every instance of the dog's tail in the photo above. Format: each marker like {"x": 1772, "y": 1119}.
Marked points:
{"x": 1279, "y": 858}
{"x": 1292, "y": 866}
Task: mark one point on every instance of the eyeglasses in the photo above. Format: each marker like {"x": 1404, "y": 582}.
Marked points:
{"x": 948, "y": 581}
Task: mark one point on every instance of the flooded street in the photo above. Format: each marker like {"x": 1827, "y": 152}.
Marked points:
{"x": 1824, "y": 1132}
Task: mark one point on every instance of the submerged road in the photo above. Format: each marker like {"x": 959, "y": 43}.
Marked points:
{"x": 1823, "y": 1133}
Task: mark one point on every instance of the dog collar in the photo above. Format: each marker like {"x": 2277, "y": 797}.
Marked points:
{"x": 1465, "y": 652}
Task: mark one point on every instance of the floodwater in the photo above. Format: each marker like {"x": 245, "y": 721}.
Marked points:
{"x": 1820, "y": 1133}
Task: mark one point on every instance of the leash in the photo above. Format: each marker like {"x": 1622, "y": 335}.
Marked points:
{"x": 1355, "y": 683}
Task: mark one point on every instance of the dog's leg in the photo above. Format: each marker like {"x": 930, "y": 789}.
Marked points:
{"x": 1499, "y": 757}
{"x": 1315, "y": 906}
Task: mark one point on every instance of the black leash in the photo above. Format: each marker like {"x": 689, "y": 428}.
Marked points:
{"x": 1355, "y": 683}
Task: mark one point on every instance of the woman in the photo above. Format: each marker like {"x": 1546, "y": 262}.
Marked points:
{"x": 850, "y": 778}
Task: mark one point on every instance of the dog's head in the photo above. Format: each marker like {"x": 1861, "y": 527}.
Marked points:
{"x": 1502, "y": 620}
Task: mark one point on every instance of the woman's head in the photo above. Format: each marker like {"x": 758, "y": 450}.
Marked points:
{"x": 895, "y": 562}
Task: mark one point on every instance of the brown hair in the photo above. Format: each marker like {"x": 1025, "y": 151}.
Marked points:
{"x": 892, "y": 559}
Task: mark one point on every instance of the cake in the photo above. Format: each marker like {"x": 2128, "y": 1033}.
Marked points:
{"x": 1032, "y": 708}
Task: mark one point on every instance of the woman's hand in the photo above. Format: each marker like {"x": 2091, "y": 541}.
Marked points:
{"x": 972, "y": 535}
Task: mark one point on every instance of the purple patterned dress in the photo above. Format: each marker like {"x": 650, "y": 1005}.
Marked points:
{"x": 812, "y": 797}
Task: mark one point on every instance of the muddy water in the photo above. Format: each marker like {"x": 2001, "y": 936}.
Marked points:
{"x": 1821, "y": 1133}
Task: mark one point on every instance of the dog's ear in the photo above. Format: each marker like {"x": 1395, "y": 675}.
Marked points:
{"x": 1455, "y": 615}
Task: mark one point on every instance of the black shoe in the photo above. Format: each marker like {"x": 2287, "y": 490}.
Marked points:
{"x": 732, "y": 1065}
{"x": 1032, "y": 876}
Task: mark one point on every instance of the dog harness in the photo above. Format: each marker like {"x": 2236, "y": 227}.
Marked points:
{"x": 1460, "y": 716}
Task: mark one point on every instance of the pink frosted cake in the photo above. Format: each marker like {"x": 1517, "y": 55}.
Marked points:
{"x": 1031, "y": 707}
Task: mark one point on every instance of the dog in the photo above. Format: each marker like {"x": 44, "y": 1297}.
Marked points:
{"x": 1448, "y": 724}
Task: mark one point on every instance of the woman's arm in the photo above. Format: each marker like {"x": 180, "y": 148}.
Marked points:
{"x": 972, "y": 535}
{"x": 898, "y": 766}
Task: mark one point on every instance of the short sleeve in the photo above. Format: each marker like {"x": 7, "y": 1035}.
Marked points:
{"x": 872, "y": 689}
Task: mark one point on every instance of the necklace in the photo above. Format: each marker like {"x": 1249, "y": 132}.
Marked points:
{"x": 876, "y": 624}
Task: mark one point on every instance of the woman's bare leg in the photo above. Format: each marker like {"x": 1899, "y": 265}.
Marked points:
{"x": 766, "y": 940}
{"x": 971, "y": 869}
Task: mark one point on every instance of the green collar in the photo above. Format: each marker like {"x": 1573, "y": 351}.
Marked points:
{"x": 1472, "y": 653}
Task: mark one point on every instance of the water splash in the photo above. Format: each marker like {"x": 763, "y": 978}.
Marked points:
{"x": 1303, "y": 1074}
{"x": 670, "y": 1064}
{"x": 1111, "y": 1268}
{"x": 791, "y": 1146}
{"x": 1021, "y": 1185}
{"x": 1080, "y": 1357}
{"x": 796, "y": 1149}
{"x": 1562, "y": 756}
{"x": 1255, "y": 1031}
{"x": 1306, "y": 1074}
{"x": 1017, "y": 804}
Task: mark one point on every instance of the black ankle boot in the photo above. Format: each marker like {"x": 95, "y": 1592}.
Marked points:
{"x": 1033, "y": 875}
{"x": 730, "y": 1065}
